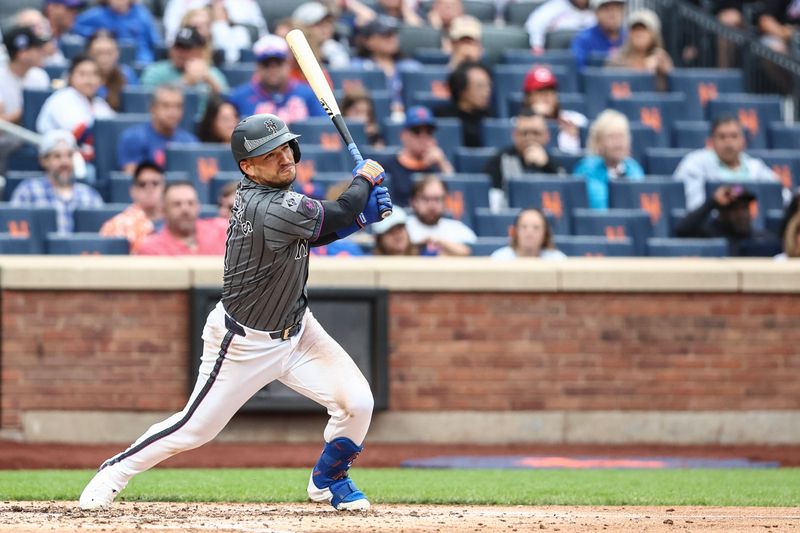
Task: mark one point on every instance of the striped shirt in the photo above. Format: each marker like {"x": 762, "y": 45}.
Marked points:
{"x": 266, "y": 257}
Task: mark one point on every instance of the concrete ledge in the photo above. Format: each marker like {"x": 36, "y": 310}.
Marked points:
{"x": 468, "y": 427}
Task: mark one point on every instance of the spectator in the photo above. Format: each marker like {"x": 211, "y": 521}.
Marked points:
{"x": 148, "y": 142}
{"x": 35, "y": 20}
{"x": 791, "y": 239}
{"x": 531, "y": 236}
{"x": 557, "y": 15}
{"x": 609, "y": 157}
{"x": 184, "y": 233}
{"x": 778, "y": 24}
{"x": 127, "y": 20}
{"x": 146, "y": 214}
{"x": 75, "y": 107}
{"x": 733, "y": 222}
{"x": 541, "y": 96}
{"x": 187, "y": 67}
{"x": 442, "y": 14}
{"x": 419, "y": 152}
{"x": 729, "y": 13}
{"x": 226, "y": 199}
{"x": 643, "y": 48}
{"x": 320, "y": 22}
{"x": 465, "y": 43}
{"x": 57, "y": 189}
{"x": 238, "y": 12}
{"x": 218, "y": 121}
{"x": 527, "y": 155}
{"x": 358, "y": 105}
{"x": 102, "y": 47}
{"x": 23, "y": 71}
{"x": 379, "y": 48}
{"x": 605, "y": 36}
{"x": 402, "y": 10}
{"x": 213, "y": 24}
{"x": 61, "y": 15}
{"x": 470, "y": 100}
{"x": 791, "y": 210}
{"x": 391, "y": 235}
{"x": 271, "y": 90}
{"x": 429, "y": 228}
{"x": 725, "y": 160}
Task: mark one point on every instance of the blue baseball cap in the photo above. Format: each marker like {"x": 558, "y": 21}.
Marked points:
{"x": 72, "y": 4}
{"x": 419, "y": 115}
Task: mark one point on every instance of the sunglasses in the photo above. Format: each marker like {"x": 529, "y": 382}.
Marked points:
{"x": 419, "y": 130}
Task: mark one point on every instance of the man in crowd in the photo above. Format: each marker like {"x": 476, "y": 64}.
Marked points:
{"x": 23, "y": 70}
{"x": 148, "y": 142}
{"x": 145, "y": 215}
{"x": 429, "y": 228}
{"x": 605, "y": 36}
{"x": 57, "y": 188}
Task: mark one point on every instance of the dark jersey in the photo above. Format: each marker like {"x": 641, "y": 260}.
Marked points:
{"x": 266, "y": 256}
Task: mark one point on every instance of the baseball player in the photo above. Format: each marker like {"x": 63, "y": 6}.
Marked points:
{"x": 262, "y": 329}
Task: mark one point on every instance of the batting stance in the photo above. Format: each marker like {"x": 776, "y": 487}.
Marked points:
{"x": 262, "y": 329}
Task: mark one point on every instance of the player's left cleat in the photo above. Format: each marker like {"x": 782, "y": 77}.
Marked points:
{"x": 329, "y": 481}
{"x": 99, "y": 493}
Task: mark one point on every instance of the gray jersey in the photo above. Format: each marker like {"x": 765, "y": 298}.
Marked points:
{"x": 266, "y": 256}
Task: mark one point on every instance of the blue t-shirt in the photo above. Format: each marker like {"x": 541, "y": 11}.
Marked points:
{"x": 296, "y": 103}
{"x": 593, "y": 169}
{"x": 593, "y": 40}
{"x": 137, "y": 26}
{"x": 143, "y": 143}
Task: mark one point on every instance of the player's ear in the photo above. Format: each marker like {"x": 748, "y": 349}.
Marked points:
{"x": 244, "y": 166}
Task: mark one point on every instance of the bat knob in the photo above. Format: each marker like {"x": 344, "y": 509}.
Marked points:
{"x": 386, "y": 213}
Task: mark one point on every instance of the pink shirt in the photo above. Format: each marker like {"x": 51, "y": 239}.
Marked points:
{"x": 210, "y": 237}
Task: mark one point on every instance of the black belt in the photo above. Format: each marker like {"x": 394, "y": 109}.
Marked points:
{"x": 284, "y": 334}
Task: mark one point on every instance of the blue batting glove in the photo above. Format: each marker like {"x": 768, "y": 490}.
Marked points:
{"x": 379, "y": 201}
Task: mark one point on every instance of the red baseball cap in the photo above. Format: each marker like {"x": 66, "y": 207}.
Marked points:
{"x": 539, "y": 78}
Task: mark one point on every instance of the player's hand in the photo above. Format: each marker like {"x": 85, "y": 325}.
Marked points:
{"x": 371, "y": 171}
{"x": 379, "y": 201}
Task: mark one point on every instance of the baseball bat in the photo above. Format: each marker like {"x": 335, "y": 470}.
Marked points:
{"x": 319, "y": 84}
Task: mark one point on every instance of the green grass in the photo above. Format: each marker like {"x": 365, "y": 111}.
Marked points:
{"x": 734, "y": 487}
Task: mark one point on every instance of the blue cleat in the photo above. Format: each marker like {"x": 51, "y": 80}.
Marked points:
{"x": 329, "y": 481}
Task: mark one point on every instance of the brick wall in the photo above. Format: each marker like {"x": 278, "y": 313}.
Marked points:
{"x": 123, "y": 350}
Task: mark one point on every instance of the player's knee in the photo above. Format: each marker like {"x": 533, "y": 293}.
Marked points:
{"x": 360, "y": 405}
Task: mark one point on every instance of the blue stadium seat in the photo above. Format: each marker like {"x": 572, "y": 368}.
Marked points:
{"x": 119, "y": 185}
{"x": 690, "y": 134}
{"x": 86, "y": 244}
{"x": 613, "y": 83}
{"x": 26, "y": 157}
{"x": 465, "y": 193}
{"x": 754, "y": 111}
{"x": 658, "y": 111}
{"x": 498, "y": 39}
{"x": 316, "y": 159}
{"x": 91, "y": 220}
{"x": 774, "y": 221}
{"x": 590, "y": 246}
{"x": 448, "y": 135}
{"x": 485, "y": 246}
{"x": 424, "y": 80}
{"x": 106, "y": 136}
{"x": 489, "y": 224}
{"x": 209, "y": 211}
{"x": 221, "y": 180}
{"x": 785, "y": 163}
{"x": 55, "y": 71}
{"x": 568, "y": 161}
{"x": 568, "y": 101}
{"x": 701, "y": 85}
{"x": 348, "y": 77}
{"x": 782, "y": 136}
{"x": 428, "y": 99}
{"x": 661, "y": 247}
{"x": 431, "y": 56}
{"x": 657, "y": 196}
{"x": 413, "y": 37}
{"x": 14, "y": 244}
{"x": 473, "y": 159}
{"x": 663, "y": 161}
{"x": 322, "y": 181}
{"x": 643, "y": 138}
{"x": 32, "y": 222}
{"x": 32, "y": 102}
{"x": 320, "y": 130}
{"x": 550, "y": 58}
{"x": 239, "y": 73}
{"x": 136, "y": 99}
{"x": 769, "y": 195}
{"x": 555, "y": 196}
{"x": 517, "y": 13}
{"x": 615, "y": 224}
{"x": 497, "y": 132}
{"x": 201, "y": 162}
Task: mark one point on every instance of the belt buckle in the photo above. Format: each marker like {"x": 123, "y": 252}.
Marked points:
{"x": 285, "y": 334}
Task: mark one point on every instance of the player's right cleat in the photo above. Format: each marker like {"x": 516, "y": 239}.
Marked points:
{"x": 329, "y": 481}
{"x": 99, "y": 493}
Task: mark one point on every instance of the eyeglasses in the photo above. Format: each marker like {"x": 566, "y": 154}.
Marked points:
{"x": 419, "y": 130}
{"x": 538, "y": 133}
{"x": 431, "y": 199}
{"x": 146, "y": 184}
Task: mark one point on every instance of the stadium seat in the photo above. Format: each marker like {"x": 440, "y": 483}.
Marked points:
{"x": 754, "y": 111}
{"x": 517, "y": 13}
{"x": 774, "y": 221}
{"x": 700, "y": 86}
{"x": 663, "y": 161}
{"x": 769, "y": 195}
{"x": 202, "y": 162}
{"x": 424, "y": 80}
{"x": 221, "y": 180}
{"x": 26, "y": 157}
{"x": 591, "y": 246}
{"x": 613, "y": 83}
{"x": 497, "y": 132}
{"x": 485, "y": 246}
{"x": 497, "y": 39}
{"x": 551, "y": 58}
{"x": 14, "y": 244}
{"x": 465, "y": 194}
{"x": 238, "y": 73}
{"x": 658, "y": 111}
{"x": 508, "y": 79}
{"x": 348, "y": 77}
{"x": 480, "y": 9}
{"x": 785, "y": 163}
{"x": 413, "y": 37}
{"x": 448, "y": 135}
{"x": 55, "y": 71}
{"x": 643, "y": 138}
{"x": 559, "y": 39}
{"x": 274, "y": 12}
{"x": 91, "y": 220}
{"x": 568, "y": 161}
{"x": 136, "y": 99}
{"x": 322, "y": 181}
{"x": 690, "y": 134}
{"x": 431, "y": 56}
{"x": 318, "y": 159}
{"x": 489, "y": 224}
{"x": 661, "y": 247}
{"x": 320, "y": 130}
{"x": 782, "y": 136}
{"x": 32, "y": 102}
{"x": 428, "y": 99}
{"x": 106, "y": 136}
{"x": 657, "y": 196}
{"x": 32, "y": 222}
{"x": 555, "y": 196}
{"x": 570, "y": 101}
{"x": 209, "y": 211}
{"x": 615, "y": 224}
{"x": 473, "y": 159}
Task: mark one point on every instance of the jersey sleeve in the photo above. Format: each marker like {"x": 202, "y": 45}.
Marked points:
{"x": 291, "y": 216}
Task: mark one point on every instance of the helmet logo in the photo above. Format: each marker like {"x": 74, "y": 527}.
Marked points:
{"x": 255, "y": 143}
{"x": 271, "y": 126}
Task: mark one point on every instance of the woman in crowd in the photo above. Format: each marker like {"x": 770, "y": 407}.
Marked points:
{"x": 531, "y": 236}
{"x": 540, "y": 90}
{"x": 643, "y": 48}
{"x": 609, "y": 157}
{"x": 791, "y": 239}
{"x": 218, "y": 122}
{"x": 391, "y": 235}
{"x": 102, "y": 47}
{"x": 357, "y": 105}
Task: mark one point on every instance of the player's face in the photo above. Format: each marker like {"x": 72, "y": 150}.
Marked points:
{"x": 275, "y": 168}
{"x": 529, "y": 233}
{"x": 181, "y": 209}
{"x": 148, "y": 190}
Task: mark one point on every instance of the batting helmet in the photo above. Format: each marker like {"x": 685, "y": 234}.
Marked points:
{"x": 259, "y": 134}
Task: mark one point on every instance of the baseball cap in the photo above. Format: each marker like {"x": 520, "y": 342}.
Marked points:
{"x": 189, "y": 37}
{"x": 397, "y": 218}
{"x": 419, "y": 115}
{"x": 539, "y": 78}
{"x": 270, "y": 47}
{"x": 55, "y": 138}
{"x": 465, "y": 26}
{"x": 596, "y": 4}
{"x": 20, "y": 38}
{"x": 73, "y": 4}
{"x": 381, "y": 25}
{"x": 310, "y": 13}
{"x": 646, "y": 18}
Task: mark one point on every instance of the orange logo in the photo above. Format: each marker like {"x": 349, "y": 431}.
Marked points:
{"x": 207, "y": 168}
{"x": 651, "y": 117}
{"x": 749, "y": 120}
{"x": 19, "y": 228}
{"x": 784, "y": 173}
{"x": 652, "y": 204}
{"x": 454, "y": 204}
{"x": 620, "y": 89}
{"x": 615, "y": 233}
{"x": 593, "y": 254}
{"x": 330, "y": 141}
{"x": 440, "y": 89}
{"x": 551, "y": 203}
{"x": 305, "y": 170}
{"x": 707, "y": 92}
{"x": 754, "y": 209}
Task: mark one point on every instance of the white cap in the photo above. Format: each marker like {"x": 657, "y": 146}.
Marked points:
{"x": 599, "y": 3}
{"x": 397, "y": 218}
{"x": 55, "y": 138}
{"x": 310, "y": 13}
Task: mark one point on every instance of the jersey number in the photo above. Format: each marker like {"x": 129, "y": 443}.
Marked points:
{"x": 302, "y": 250}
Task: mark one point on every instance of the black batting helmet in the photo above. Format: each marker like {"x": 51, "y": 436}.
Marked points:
{"x": 258, "y": 134}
